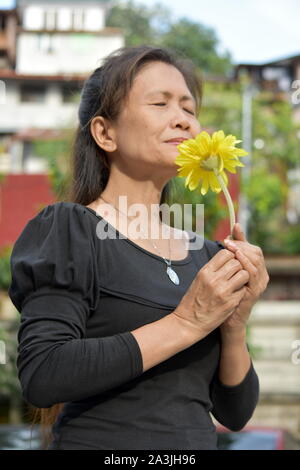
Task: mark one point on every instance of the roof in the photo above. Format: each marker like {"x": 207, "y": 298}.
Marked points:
{"x": 12, "y": 74}
{"x": 107, "y": 30}
{"x": 61, "y": 2}
{"x": 284, "y": 61}
{"x": 31, "y": 134}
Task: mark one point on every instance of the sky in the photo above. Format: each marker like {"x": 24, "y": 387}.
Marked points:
{"x": 253, "y": 31}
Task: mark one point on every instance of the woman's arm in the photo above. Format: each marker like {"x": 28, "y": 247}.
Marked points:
{"x": 57, "y": 364}
{"x": 235, "y": 387}
{"x": 235, "y": 361}
{"x": 163, "y": 338}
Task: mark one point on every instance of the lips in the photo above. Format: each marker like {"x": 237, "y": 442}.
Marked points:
{"x": 176, "y": 141}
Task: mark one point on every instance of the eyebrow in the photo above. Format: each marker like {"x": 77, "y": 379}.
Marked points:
{"x": 169, "y": 95}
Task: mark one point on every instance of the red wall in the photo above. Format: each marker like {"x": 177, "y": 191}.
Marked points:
{"x": 21, "y": 197}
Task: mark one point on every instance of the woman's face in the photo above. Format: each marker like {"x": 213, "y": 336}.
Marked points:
{"x": 149, "y": 119}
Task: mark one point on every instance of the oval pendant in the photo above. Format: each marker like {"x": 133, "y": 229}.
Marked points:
{"x": 172, "y": 275}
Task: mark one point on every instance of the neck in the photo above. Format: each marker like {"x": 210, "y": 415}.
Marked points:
{"x": 134, "y": 198}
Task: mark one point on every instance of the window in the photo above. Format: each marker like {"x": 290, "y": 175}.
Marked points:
{"x": 32, "y": 93}
{"x": 50, "y": 19}
{"x": 33, "y": 18}
{"x": 45, "y": 43}
{"x": 64, "y": 19}
{"x": 78, "y": 19}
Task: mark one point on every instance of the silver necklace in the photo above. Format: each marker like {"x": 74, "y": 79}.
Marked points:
{"x": 170, "y": 271}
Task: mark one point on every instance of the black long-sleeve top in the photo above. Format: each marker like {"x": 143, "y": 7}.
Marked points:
{"x": 79, "y": 297}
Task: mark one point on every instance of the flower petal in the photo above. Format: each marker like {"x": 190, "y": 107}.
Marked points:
{"x": 214, "y": 183}
{"x": 205, "y": 185}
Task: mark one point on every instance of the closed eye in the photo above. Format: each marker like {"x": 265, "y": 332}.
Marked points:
{"x": 190, "y": 112}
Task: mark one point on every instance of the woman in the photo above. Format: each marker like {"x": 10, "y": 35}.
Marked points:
{"x": 134, "y": 358}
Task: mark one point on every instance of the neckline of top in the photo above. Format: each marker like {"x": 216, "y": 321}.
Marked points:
{"x": 185, "y": 260}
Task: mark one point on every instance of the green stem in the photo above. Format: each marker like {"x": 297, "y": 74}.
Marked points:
{"x": 228, "y": 199}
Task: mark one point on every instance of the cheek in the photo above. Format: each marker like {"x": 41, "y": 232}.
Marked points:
{"x": 196, "y": 127}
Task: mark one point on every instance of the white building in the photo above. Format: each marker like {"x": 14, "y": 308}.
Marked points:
{"x": 60, "y": 37}
{"x": 47, "y": 49}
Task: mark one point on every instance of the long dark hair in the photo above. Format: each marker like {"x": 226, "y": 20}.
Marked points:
{"x": 103, "y": 94}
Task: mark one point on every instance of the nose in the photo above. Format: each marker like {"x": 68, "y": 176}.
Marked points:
{"x": 180, "y": 119}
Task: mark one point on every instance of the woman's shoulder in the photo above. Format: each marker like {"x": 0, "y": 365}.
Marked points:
{"x": 68, "y": 216}
{"x": 56, "y": 248}
{"x": 63, "y": 208}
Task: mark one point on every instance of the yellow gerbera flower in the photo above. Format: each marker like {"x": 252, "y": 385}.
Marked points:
{"x": 203, "y": 161}
{"x": 203, "y": 158}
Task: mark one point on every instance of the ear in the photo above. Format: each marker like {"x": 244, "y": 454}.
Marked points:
{"x": 103, "y": 133}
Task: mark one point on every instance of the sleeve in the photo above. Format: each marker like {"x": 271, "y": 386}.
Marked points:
{"x": 213, "y": 247}
{"x": 55, "y": 288}
{"x": 233, "y": 406}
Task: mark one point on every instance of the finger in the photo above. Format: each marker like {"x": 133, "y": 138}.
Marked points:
{"x": 239, "y": 280}
{"x": 246, "y": 263}
{"x": 238, "y": 233}
{"x": 230, "y": 269}
{"x": 246, "y": 248}
{"x": 231, "y": 245}
{"x": 219, "y": 259}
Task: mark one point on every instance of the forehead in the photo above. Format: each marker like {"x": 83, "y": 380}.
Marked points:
{"x": 159, "y": 77}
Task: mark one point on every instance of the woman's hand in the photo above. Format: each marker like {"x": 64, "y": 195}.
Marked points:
{"x": 252, "y": 259}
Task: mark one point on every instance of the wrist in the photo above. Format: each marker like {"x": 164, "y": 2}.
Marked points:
{"x": 187, "y": 327}
{"x": 233, "y": 335}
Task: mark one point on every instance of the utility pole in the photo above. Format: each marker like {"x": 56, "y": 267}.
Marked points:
{"x": 248, "y": 92}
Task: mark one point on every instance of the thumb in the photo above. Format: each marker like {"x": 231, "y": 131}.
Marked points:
{"x": 238, "y": 232}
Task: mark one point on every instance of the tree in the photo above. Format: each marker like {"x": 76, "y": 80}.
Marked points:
{"x": 199, "y": 43}
{"x": 278, "y": 152}
{"x": 268, "y": 187}
{"x": 140, "y": 24}
{"x": 154, "y": 26}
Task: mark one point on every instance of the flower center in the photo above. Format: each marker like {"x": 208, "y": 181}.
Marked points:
{"x": 210, "y": 163}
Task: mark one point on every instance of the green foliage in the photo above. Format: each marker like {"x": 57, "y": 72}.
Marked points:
{"x": 289, "y": 238}
{"x": 5, "y": 273}
{"x": 267, "y": 197}
{"x": 222, "y": 107}
{"x": 199, "y": 43}
{"x": 268, "y": 186}
{"x": 134, "y": 20}
{"x": 58, "y": 155}
{"x": 9, "y": 382}
{"x": 273, "y": 122}
{"x": 213, "y": 210}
